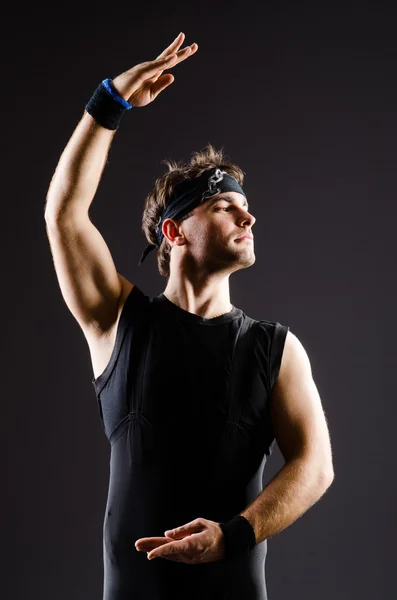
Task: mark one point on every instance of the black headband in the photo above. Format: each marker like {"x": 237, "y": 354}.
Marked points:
{"x": 190, "y": 193}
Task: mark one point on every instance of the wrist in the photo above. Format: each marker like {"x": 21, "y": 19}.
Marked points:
{"x": 106, "y": 106}
{"x": 111, "y": 89}
{"x": 239, "y": 536}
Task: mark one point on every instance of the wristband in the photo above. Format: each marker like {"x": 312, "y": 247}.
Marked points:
{"x": 106, "y": 106}
{"x": 239, "y": 536}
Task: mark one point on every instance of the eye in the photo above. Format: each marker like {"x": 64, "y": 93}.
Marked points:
{"x": 229, "y": 207}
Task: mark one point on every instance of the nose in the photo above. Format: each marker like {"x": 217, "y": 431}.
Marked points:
{"x": 246, "y": 218}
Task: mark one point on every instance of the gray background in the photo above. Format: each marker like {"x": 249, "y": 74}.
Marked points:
{"x": 303, "y": 97}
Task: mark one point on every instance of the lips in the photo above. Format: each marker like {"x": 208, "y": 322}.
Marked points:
{"x": 247, "y": 236}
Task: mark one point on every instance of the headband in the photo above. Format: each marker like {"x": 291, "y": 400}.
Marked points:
{"x": 190, "y": 193}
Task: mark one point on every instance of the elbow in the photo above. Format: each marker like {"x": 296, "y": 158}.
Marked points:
{"x": 323, "y": 470}
{"x": 327, "y": 476}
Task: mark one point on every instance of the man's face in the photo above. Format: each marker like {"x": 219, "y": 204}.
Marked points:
{"x": 212, "y": 233}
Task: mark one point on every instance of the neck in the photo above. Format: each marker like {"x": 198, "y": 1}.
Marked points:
{"x": 208, "y": 300}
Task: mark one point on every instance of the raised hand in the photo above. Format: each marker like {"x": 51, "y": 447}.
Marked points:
{"x": 141, "y": 84}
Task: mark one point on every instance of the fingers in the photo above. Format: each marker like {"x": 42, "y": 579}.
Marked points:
{"x": 189, "y": 51}
{"x": 174, "y": 46}
{"x": 184, "y": 54}
{"x": 148, "y": 544}
{"x": 162, "y": 82}
{"x": 166, "y": 62}
{"x": 180, "y": 55}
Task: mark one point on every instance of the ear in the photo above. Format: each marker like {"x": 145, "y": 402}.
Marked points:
{"x": 172, "y": 230}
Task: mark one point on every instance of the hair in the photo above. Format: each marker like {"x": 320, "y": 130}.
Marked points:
{"x": 158, "y": 198}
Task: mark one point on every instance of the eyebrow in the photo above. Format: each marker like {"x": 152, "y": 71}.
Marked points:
{"x": 227, "y": 199}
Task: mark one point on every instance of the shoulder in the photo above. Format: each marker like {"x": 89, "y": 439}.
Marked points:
{"x": 272, "y": 334}
{"x": 295, "y": 358}
{"x": 283, "y": 346}
{"x": 293, "y": 347}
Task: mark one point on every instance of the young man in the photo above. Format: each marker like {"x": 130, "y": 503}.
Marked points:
{"x": 192, "y": 392}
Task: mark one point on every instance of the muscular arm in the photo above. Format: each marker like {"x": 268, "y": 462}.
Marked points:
{"x": 79, "y": 170}
{"x": 302, "y": 435}
{"x": 87, "y": 275}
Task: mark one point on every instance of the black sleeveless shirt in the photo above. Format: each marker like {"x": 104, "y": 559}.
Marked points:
{"x": 184, "y": 403}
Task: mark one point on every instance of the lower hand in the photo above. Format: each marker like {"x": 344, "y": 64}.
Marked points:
{"x": 196, "y": 542}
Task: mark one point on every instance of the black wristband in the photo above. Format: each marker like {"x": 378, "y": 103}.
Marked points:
{"x": 106, "y": 106}
{"x": 239, "y": 536}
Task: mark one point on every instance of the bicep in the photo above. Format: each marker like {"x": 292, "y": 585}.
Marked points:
{"x": 87, "y": 276}
{"x": 297, "y": 415}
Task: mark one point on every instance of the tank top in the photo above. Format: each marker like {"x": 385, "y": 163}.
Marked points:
{"x": 184, "y": 404}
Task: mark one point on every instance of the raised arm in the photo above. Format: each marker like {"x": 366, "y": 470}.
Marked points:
{"x": 89, "y": 281}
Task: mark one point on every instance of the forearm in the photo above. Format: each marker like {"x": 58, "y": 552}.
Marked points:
{"x": 79, "y": 169}
{"x": 294, "y": 489}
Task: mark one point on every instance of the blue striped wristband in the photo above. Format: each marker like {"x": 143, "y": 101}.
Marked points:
{"x": 106, "y": 106}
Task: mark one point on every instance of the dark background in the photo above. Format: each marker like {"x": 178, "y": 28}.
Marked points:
{"x": 303, "y": 97}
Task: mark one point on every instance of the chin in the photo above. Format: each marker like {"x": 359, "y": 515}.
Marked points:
{"x": 245, "y": 262}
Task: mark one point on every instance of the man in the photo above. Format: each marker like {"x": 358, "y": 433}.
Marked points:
{"x": 192, "y": 393}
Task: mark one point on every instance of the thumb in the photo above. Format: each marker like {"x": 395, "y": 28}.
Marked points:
{"x": 161, "y": 83}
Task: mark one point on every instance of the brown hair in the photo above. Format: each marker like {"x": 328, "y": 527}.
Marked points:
{"x": 164, "y": 185}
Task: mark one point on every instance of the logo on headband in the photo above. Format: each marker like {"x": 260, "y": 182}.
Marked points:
{"x": 212, "y": 190}
{"x": 212, "y": 187}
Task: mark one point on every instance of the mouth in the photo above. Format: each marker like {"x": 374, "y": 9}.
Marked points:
{"x": 245, "y": 237}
